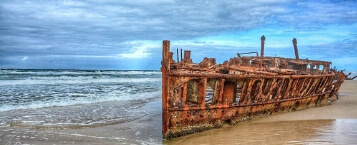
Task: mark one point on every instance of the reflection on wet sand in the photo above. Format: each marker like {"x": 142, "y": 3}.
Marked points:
{"x": 340, "y": 131}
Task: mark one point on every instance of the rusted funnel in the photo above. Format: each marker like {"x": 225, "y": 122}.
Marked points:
{"x": 187, "y": 55}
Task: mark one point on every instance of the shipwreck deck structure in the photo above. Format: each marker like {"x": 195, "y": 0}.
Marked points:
{"x": 200, "y": 96}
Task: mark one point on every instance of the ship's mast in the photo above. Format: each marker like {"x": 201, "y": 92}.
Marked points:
{"x": 262, "y": 39}
{"x": 295, "y": 48}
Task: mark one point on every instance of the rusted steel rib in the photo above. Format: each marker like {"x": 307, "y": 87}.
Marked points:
{"x": 233, "y": 76}
{"x": 200, "y": 96}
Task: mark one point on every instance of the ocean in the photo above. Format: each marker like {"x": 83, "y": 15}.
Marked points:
{"x": 74, "y": 98}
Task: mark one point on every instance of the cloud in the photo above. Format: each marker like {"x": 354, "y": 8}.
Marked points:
{"x": 312, "y": 15}
{"x": 136, "y": 54}
{"x": 135, "y": 29}
{"x": 92, "y": 22}
{"x": 75, "y": 21}
{"x": 25, "y": 58}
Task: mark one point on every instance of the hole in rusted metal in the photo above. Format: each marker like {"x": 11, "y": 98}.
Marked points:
{"x": 210, "y": 90}
{"x": 228, "y": 121}
{"x": 239, "y": 90}
{"x": 285, "y": 87}
{"x": 255, "y": 89}
{"x": 229, "y": 91}
{"x": 192, "y": 92}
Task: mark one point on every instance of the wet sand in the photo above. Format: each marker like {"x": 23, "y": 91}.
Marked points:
{"x": 332, "y": 124}
{"x": 282, "y": 132}
{"x": 143, "y": 127}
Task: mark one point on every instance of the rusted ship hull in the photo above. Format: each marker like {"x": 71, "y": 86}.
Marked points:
{"x": 198, "y": 97}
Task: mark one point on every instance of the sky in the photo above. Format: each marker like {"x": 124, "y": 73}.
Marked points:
{"x": 128, "y": 35}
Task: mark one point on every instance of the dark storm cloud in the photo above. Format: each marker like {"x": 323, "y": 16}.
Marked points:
{"x": 81, "y": 23}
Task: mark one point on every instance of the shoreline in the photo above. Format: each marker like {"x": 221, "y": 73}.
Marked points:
{"x": 147, "y": 129}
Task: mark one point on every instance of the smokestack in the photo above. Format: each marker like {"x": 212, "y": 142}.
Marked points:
{"x": 187, "y": 55}
{"x": 295, "y": 48}
{"x": 181, "y": 54}
{"x": 178, "y": 58}
{"x": 262, "y": 46}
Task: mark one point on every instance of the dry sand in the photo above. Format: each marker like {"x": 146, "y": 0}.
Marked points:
{"x": 332, "y": 124}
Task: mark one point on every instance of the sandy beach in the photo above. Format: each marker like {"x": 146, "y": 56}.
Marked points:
{"x": 332, "y": 124}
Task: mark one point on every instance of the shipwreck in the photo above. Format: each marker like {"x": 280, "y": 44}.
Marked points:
{"x": 205, "y": 95}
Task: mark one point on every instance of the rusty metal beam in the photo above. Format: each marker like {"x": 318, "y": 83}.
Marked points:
{"x": 233, "y": 76}
{"x": 165, "y": 69}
